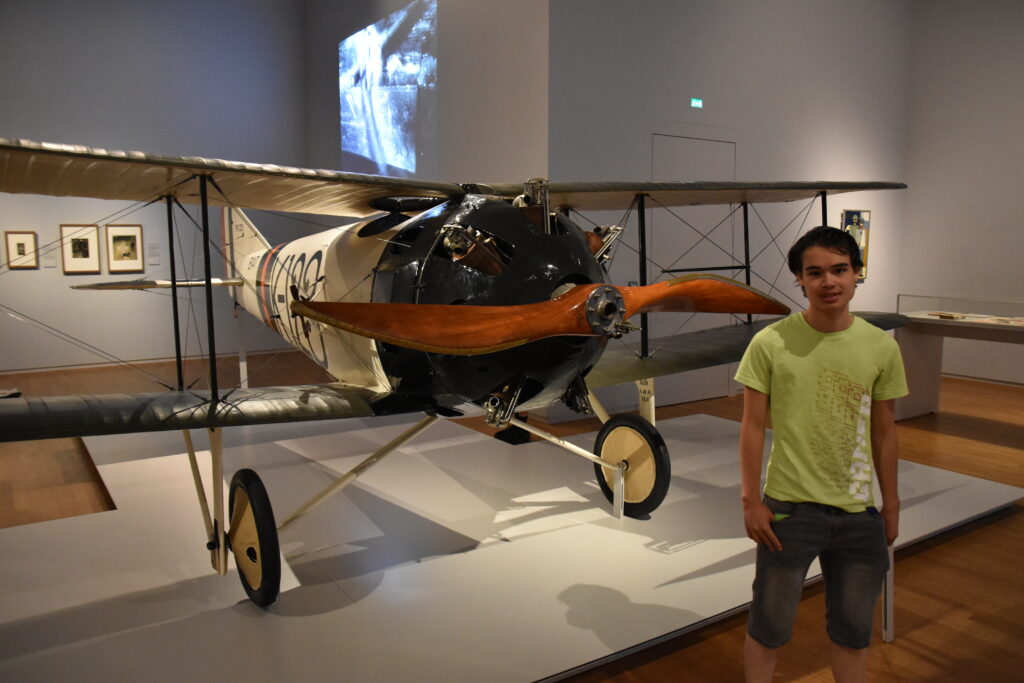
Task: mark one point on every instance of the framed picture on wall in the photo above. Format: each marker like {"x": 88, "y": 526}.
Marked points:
{"x": 80, "y": 248}
{"x": 22, "y": 250}
{"x": 124, "y": 249}
{"x": 857, "y": 222}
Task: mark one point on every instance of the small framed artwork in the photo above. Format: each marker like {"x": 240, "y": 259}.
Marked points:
{"x": 124, "y": 249}
{"x": 22, "y": 250}
{"x": 857, "y": 222}
{"x": 80, "y": 248}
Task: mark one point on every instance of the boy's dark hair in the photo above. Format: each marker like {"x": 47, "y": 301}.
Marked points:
{"x": 833, "y": 239}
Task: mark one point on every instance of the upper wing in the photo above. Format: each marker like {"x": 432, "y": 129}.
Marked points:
{"x": 49, "y": 417}
{"x": 610, "y": 196}
{"x": 77, "y": 171}
{"x": 695, "y": 350}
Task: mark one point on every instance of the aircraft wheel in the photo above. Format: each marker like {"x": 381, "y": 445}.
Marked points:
{"x": 253, "y": 538}
{"x": 635, "y": 440}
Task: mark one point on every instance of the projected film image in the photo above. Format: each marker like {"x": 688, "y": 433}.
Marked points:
{"x": 387, "y": 79}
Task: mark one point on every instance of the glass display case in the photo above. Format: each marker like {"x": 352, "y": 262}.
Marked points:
{"x": 934, "y": 319}
{"x": 983, "y": 312}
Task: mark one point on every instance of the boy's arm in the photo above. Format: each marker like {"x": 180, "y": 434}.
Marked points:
{"x": 885, "y": 453}
{"x": 756, "y": 515}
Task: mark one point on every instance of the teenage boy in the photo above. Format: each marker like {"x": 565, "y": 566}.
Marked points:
{"x": 829, "y": 380}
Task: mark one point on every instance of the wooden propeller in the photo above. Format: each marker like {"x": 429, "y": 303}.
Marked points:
{"x": 585, "y": 310}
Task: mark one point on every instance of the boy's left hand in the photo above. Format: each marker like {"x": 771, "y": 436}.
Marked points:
{"x": 891, "y": 517}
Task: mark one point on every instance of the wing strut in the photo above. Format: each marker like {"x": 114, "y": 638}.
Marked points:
{"x": 207, "y": 283}
{"x": 350, "y": 476}
{"x": 641, "y": 216}
{"x": 746, "y": 250}
{"x": 174, "y": 293}
{"x": 214, "y": 397}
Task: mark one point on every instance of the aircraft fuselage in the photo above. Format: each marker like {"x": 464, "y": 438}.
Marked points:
{"x": 473, "y": 250}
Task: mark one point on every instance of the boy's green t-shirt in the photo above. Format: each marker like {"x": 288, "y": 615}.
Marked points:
{"x": 820, "y": 387}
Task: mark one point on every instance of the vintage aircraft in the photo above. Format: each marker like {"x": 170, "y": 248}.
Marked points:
{"x": 444, "y": 299}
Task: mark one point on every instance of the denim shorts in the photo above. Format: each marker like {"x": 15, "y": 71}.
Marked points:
{"x": 853, "y": 556}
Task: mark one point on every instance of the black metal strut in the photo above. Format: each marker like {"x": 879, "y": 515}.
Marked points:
{"x": 645, "y": 343}
{"x": 746, "y": 251}
{"x": 174, "y": 293}
{"x": 209, "y": 291}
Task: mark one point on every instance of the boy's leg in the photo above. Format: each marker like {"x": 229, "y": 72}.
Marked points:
{"x": 778, "y": 583}
{"x": 758, "y": 661}
{"x": 854, "y": 568}
{"x": 848, "y": 665}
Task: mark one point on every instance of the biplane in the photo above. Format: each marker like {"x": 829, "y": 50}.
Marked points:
{"x": 442, "y": 299}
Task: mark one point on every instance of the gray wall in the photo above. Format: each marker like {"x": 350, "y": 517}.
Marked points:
{"x": 965, "y": 149}
{"x": 492, "y": 85}
{"x": 781, "y": 80}
{"x": 215, "y": 78}
{"x": 250, "y": 81}
{"x": 925, "y": 92}
{"x": 802, "y": 90}
{"x": 220, "y": 78}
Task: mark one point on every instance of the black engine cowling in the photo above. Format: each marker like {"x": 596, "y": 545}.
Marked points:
{"x": 483, "y": 251}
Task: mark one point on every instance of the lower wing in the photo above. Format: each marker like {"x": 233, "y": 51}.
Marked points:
{"x": 49, "y": 417}
{"x": 695, "y": 350}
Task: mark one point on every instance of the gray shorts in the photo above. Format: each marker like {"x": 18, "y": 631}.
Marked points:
{"x": 854, "y": 559}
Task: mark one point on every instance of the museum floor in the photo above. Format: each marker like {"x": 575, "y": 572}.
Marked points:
{"x": 959, "y": 596}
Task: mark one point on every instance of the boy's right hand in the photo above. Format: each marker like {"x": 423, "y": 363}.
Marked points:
{"x": 758, "y": 520}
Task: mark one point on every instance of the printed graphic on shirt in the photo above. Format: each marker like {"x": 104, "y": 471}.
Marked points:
{"x": 843, "y": 410}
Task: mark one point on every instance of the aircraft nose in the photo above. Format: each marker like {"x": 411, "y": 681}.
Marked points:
{"x": 605, "y": 310}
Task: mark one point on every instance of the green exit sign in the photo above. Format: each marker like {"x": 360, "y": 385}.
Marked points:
{"x": 696, "y": 103}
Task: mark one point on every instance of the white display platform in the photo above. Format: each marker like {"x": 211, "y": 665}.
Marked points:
{"x": 459, "y": 558}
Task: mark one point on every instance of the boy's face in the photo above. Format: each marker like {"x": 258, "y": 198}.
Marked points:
{"x": 828, "y": 279}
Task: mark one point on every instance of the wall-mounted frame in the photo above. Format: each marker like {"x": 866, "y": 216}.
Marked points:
{"x": 857, "y": 222}
{"x": 124, "y": 249}
{"x": 22, "y": 250}
{"x": 80, "y": 248}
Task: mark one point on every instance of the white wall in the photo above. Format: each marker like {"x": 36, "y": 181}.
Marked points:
{"x": 966, "y": 144}
{"x": 805, "y": 89}
{"x": 220, "y": 78}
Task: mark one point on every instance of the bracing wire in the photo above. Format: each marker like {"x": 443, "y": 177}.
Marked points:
{"x": 110, "y": 218}
{"x": 784, "y": 263}
{"x": 188, "y": 266}
{"x": 80, "y": 343}
{"x": 803, "y": 213}
{"x": 704, "y": 236}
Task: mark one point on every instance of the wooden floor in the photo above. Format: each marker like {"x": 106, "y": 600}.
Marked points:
{"x": 44, "y": 480}
{"x": 959, "y": 596}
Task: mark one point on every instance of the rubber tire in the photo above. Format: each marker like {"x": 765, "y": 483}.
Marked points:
{"x": 246, "y": 482}
{"x": 642, "y": 508}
